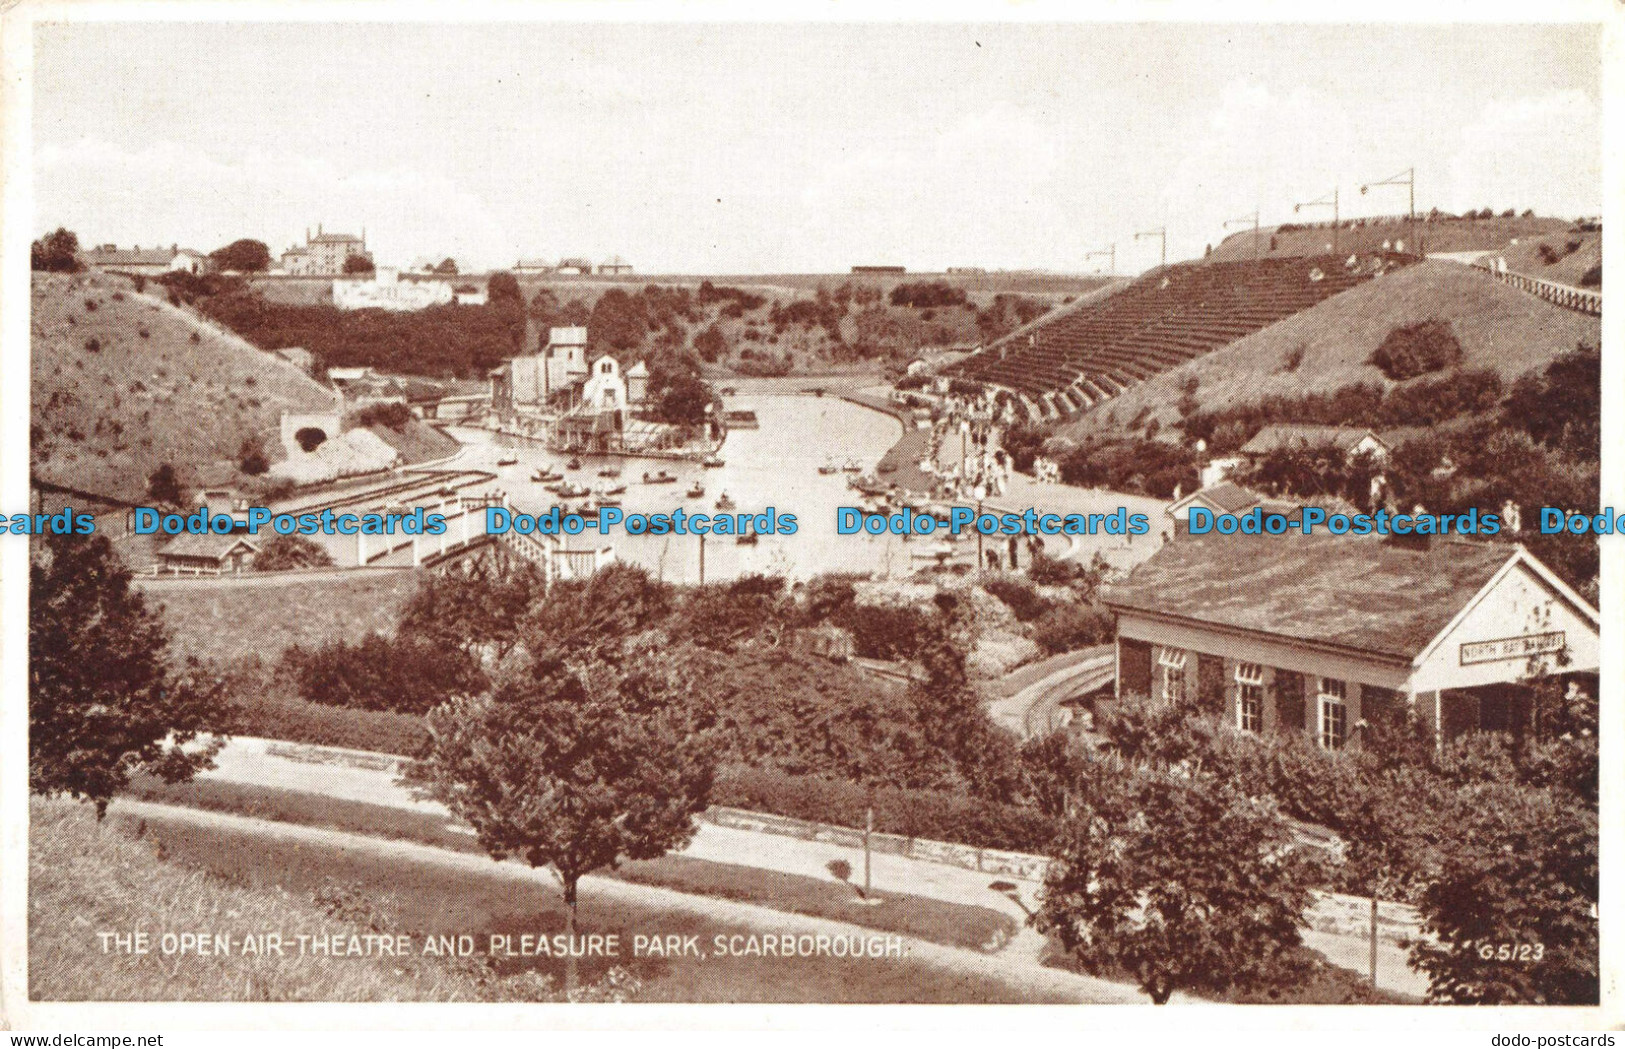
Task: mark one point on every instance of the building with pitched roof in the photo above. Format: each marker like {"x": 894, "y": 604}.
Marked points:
{"x": 1324, "y": 634}
{"x": 324, "y": 254}
{"x": 148, "y": 262}
{"x": 1350, "y": 440}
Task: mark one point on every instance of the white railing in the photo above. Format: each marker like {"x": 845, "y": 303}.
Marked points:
{"x": 1564, "y": 295}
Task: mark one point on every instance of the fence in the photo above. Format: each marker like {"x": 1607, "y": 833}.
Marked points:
{"x": 1570, "y": 298}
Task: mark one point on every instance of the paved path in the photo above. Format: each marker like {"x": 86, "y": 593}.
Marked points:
{"x": 246, "y": 760}
{"x": 1021, "y": 976}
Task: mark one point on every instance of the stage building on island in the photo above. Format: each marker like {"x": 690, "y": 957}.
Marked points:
{"x": 1326, "y": 635}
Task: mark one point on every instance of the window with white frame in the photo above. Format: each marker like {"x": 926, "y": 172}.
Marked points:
{"x": 1173, "y": 675}
{"x": 1334, "y": 713}
{"x": 1250, "y": 697}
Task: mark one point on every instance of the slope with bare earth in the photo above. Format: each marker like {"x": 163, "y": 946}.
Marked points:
{"x": 124, "y": 382}
{"x": 1498, "y": 326}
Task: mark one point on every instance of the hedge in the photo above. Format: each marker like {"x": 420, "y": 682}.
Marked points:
{"x": 300, "y": 721}
{"x": 937, "y": 815}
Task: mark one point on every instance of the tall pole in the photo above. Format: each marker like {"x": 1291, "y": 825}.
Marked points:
{"x": 1406, "y": 178}
{"x": 1258, "y": 250}
{"x": 1110, "y": 251}
{"x": 1321, "y": 203}
{"x": 1161, "y": 232}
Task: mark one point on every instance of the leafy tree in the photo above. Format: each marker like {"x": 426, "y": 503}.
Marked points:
{"x": 447, "y": 267}
{"x": 617, "y": 323}
{"x": 479, "y": 613}
{"x": 711, "y": 344}
{"x": 283, "y": 552}
{"x": 163, "y": 486}
{"x": 600, "y": 613}
{"x": 103, "y": 701}
{"x": 574, "y": 767}
{"x": 358, "y": 264}
{"x": 1177, "y": 878}
{"x": 1514, "y": 902}
{"x": 56, "y": 252}
{"x": 245, "y": 256}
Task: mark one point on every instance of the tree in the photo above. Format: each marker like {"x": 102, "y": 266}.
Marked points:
{"x": 251, "y": 457}
{"x": 1177, "y": 878}
{"x": 103, "y": 701}
{"x": 479, "y": 613}
{"x": 1514, "y": 903}
{"x": 56, "y": 253}
{"x": 575, "y": 767}
{"x": 357, "y": 264}
{"x": 283, "y": 552}
{"x": 163, "y": 486}
{"x": 447, "y": 267}
{"x": 245, "y": 256}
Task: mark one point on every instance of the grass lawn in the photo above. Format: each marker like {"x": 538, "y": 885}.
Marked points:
{"x": 426, "y": 899}
{"x": 951, "y": 924}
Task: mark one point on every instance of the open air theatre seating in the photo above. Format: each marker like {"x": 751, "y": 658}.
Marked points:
{"x": 1063, "y": 366}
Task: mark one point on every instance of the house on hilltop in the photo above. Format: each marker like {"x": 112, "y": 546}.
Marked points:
{"x": 147, "y": 262}
{"x": 325, "y": 254}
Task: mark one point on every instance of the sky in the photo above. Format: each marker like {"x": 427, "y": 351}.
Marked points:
{"x": 691, "y": 148}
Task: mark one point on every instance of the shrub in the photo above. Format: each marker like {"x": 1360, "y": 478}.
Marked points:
{"x": 1416, "y": 349}
{"x": 1019, "y": 594}
{"x": 937, "y": 815}
{"x": 1547, "y": 254}
{"x": 405, "y": 675}
{"x": 283, "y": 552}
{"x": 251, "y": 458}
{"x": 1592, "y": 278}
{"x": 257, "y": 712}
{"x": 93, "y": 345}
{"x": 393, "y": 414}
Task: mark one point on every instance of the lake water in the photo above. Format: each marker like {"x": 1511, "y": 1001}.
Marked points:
{"x": 776, "y": 465}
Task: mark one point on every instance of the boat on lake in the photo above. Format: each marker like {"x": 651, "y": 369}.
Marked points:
{"x": 610, "y": 471}
{"x": 829, "y": 467}
{"x": 573, "y": 464}
{"x": 725, "y": 503}
{"x": 571, "y": 491}
{"x": 659, "y": 477}
{"x": 712, "y": 461}
{"x": 747, "y": 539}
{"x": 546, "y": 476}
{"x": 697, "y": 491}
{"x": 852, "y": 467}
{"x": 508, "y": 460}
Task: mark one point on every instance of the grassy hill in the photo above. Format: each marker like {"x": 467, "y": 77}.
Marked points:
{"x": 1448, "y": 234}
{"x": 124, "y": 382}
{"x": 1498, "y": 326}
{"x": 86, "y": 875}
{"x": 1567, "y": 257}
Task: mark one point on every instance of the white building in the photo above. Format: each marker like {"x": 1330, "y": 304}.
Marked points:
{"x": 386, "y": 291}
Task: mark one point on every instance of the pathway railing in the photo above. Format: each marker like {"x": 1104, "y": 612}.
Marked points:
{"x": 1564, "y": 295}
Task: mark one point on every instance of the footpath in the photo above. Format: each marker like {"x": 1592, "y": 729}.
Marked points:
{"x": 1339, "y": 931}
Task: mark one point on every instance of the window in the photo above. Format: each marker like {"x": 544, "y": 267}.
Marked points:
{"x": 1334, "y": 713}
{"x": 1173, "y": 675}
{"x": 1249, "y": 697}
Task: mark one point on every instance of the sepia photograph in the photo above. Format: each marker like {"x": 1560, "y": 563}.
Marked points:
{"x": 602, "y": 506}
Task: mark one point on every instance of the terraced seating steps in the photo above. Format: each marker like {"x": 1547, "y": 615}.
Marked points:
{"x": 1167, "y": 317}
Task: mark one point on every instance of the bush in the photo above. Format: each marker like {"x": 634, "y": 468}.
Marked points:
{"x": 93, "y": 345}
{"x": 284, "y": 552}
{"x": 256, "y": 712}
{"x": 393, "y": 414}
{"x": 404, "y": 675}
{"x": 1592, "y": 278}
{"x": 937, "y": 815}
{"x": 251, "y": 458}
{"x": 1547, "y": 254}
{"x": 1019, "y": 594}
{"x": 1416, "y": 349}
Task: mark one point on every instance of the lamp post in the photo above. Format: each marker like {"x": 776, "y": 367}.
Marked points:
{"x": 1246, "y": 220}
{"x": 1321, "y": 203}
{"x": 1406, "y": 178}
{"x": 1161, "y": 233}
{"x": 1111, "y": 252}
